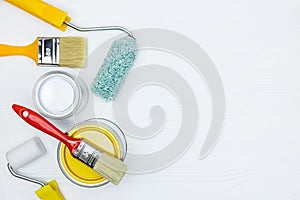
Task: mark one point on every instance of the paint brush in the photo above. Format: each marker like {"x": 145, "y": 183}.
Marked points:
{"x": 106, "y": 165}
{"x": 56, "y": 51}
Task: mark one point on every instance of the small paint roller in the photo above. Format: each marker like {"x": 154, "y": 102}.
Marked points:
{"x": 26, "y": 153}
{"x": 118, "y": 61}
{"x": 106, "y": 165}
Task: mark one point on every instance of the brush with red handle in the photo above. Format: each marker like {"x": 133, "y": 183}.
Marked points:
{"x": 106, "y": 165}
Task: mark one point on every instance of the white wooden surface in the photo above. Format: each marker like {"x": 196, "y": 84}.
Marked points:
{"x": 255, "y": 45}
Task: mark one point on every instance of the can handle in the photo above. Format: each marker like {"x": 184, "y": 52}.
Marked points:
{"x": 46, "y": 12}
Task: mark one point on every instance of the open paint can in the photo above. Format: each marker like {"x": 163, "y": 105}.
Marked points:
{"x": 101, "y": 133}
{"x": 59, "y": 95}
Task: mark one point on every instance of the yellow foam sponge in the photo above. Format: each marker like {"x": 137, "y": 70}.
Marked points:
{"x": 50, "y": 192}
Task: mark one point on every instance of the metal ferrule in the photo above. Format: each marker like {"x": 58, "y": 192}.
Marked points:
{"x": 87, "y": 154}
{"x": 48, "y": 51}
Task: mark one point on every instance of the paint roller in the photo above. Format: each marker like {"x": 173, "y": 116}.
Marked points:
{"x": 26, "y": 153}
{"x": 118, "y": 61}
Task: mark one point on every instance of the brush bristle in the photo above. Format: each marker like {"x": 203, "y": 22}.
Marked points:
{"x": 111, "y": 168}
{"x": 115, "y": 67}
{"x": 73, "y": 52}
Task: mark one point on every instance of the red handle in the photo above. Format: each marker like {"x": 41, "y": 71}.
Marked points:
{"x": 40, "y": 123}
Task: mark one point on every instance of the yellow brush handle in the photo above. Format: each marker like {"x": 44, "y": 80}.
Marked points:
{"x": 44, "y": 11}
{"x": 30, "y": 51}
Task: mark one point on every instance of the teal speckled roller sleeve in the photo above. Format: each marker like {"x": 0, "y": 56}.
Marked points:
{"x": 115, "y": 67}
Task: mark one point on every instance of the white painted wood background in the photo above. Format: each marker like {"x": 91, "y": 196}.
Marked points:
{"x": 255, "y": 45}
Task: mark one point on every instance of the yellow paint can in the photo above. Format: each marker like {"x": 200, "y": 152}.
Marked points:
{"x": 104, "y": 135}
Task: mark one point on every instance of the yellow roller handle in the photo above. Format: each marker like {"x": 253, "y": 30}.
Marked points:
{"x": 30, "y": 50}
{"x": 44, "y": 11}
{"x": 50, "y": 192}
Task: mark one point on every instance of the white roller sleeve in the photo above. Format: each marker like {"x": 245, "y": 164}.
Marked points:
{"x": 25, "y": 153}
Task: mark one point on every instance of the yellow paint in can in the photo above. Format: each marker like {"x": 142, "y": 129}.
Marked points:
{"x": 102, "y": 138}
